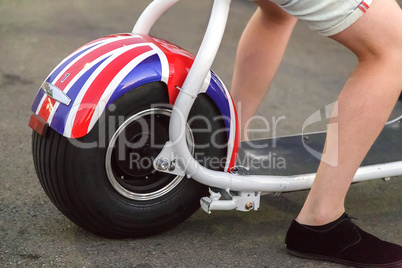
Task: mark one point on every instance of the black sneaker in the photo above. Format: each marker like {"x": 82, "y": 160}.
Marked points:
{"x": 342, "y": 242}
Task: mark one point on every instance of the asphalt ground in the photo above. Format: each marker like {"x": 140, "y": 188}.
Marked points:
{"x": 38, "y": 34}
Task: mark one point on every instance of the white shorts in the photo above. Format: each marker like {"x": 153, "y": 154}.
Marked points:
{"x": 326, "y": 17}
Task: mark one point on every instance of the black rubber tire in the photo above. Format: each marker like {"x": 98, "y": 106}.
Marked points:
{"x": 76, "y": 182}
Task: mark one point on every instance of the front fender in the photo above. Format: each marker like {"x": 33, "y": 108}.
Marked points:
{"x": 98, "y": 73}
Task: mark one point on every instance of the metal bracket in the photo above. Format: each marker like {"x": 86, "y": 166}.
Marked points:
{"x": 242, "y": 202}
{"x": 167, "y": 161}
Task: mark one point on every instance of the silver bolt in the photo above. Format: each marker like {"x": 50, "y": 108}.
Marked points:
{"x": 162, "y": 164}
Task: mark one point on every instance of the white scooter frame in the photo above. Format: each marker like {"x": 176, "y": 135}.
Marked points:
{"x": 247, "y": 188}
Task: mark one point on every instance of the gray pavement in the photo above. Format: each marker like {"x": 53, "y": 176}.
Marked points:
{"x": 36, "y": 35}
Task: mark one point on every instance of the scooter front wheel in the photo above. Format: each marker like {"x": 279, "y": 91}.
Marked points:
{"x": 105, "y": 181}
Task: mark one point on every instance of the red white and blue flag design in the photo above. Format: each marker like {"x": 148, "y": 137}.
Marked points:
{"x": 91, "y": 78}
{"x": 98, "y": 73}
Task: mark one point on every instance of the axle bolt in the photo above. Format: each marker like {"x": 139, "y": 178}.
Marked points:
{"x": 162, "y": 164}
{"x": 249, "y": 206}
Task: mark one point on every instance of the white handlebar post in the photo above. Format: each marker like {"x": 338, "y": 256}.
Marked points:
{"x": 193, "y": 83}
{"x": 151, "y": 14}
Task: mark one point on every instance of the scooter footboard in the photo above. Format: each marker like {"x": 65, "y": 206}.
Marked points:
{"x": 300, "y": 154}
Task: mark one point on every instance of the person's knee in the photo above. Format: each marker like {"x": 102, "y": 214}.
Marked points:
{"x": 394, "y": 59}
{"x": 387, "y": 54}
{"x": 387, "y": 61}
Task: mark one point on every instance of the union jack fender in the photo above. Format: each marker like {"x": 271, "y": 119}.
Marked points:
{"x": 83, "y": 85}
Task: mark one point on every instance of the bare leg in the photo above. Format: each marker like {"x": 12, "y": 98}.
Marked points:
{"x": 260, "y": 52}
{"x": 364, "y": 105}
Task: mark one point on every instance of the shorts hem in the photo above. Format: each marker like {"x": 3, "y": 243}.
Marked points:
{"x": 343, "y": 25}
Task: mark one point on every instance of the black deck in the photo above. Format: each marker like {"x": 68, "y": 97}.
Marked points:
{"x": 288, "y": 155}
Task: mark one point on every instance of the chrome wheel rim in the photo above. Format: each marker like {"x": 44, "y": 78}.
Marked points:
{"x": 138, "y": 180}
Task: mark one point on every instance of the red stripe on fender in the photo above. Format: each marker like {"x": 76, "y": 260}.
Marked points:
{"x": 97, "y": 88}
{"x": 73, "y": 70}
{"x": 46, "y": 108}
{"x": 236, "y": 139}
{"x": 179, "y": 65}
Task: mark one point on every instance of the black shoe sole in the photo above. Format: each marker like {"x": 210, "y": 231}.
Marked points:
{"x": 343, "y": 262}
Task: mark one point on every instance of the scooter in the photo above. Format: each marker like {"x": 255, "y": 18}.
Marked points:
{"x": 133, "y": 134}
